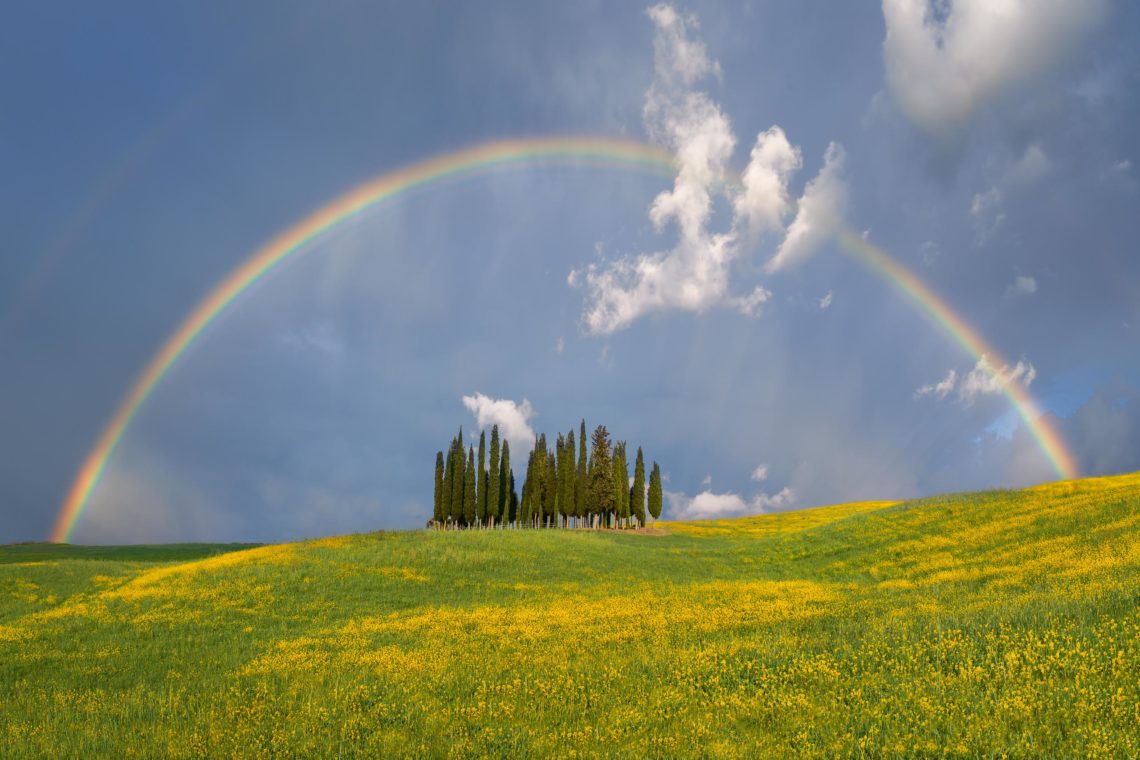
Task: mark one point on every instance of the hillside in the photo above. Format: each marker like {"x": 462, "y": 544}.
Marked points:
{"x": 979, "y": 624}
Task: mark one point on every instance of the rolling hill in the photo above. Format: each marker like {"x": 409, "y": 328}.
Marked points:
{"x": 982, "y": 624}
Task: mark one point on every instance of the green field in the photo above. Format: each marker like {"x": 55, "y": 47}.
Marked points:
{"x": 987, "y": 624}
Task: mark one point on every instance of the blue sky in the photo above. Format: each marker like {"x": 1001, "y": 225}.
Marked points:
{"x": 147, "y": 150}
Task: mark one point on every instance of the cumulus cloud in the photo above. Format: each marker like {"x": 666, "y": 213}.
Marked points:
{"x": 711, "y": 506}
{"x": 985, "y": 379}
{"x": 694, "y": 275}
{"x": 818, "y": 215}
{"x": 512, "y": 419}
{"x": 761, "y": 472}
{"x": 825, "y": 302}
{"x": 941, "y": 389}
{"x": 764, "y": 201}
{"x": 1022, "y": 285}
{"x": 706, "y": 481}
{"x": 946, "y": 59}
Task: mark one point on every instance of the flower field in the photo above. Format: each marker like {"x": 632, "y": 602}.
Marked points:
{"x": 992, "y": 624}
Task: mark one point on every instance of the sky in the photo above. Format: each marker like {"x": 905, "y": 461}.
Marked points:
{"x": 709, "y": 315}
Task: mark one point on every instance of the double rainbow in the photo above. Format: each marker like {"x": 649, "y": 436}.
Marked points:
{"x": 623, "y": 155}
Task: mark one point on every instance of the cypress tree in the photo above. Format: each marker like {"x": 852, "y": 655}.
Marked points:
{"x": 621, "y": 485}
{"x": 506, "y": 480}
{"x": 560, "y": 478}
{"x": 529, "y": 481}
{"x": 567, "y": 472}
{"x": 513, "y": 500}
{"x": 494, "y": 508}
{"x": 599, "y": 497}
{"x": 655, "y": 492}
{"x": 637, "y": 494}
{"x": 481, "y": 504}
{"x": 550, "y": 509}
{"x": 581, "y": 480}
{"x": 469, "y": 488}
{"x": 448, "y": 480}
{"x": 457, "y": 480}
{"x": 437, "y": 501}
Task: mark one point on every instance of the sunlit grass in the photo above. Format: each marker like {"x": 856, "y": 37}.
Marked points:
{"x": 976, "y": 624}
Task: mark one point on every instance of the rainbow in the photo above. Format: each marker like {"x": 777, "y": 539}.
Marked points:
{"x": 1039, "y": 426}
{"x": 576, "y": 151}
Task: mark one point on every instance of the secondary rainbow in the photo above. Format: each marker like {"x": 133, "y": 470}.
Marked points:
{"x": 589, "y": 151}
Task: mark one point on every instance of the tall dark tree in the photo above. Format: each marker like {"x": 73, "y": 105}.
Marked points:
{"x": 530, "y": 483}
{"x": 567, "y": 473}
{"x": 600, "y": 492}
{"x": 506, "y": 481}
{"x": 513, "y": 498}
{"x": 437, "y": 501}
{"x": 560, "y": 478}
{"x": 481, "y": 497}
{"x": 637, "y": 491}
{"x": 494, "y": 508}
{"x": 550, "y": 493}
{"x": 581, "y": 481}
{"x": 457, "y": 478}
{"x": 621, "y": 485}
{"x": 655, "y": 495}
{"x": 469, "y": 488}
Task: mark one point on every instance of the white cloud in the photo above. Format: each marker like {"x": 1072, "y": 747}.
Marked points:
{"x": 710, "y": 506}
{"x": 764, "y": 201}
{"x": 707, "y": 480}
{"x": 818, "y": 215}
{"x": 1022, "y": 285}
{"x": 761, "y": 472}
{"x": 947, "y": 58}
{"x": 560, "y": 344}
{"x": 941, "y": 389}
{"x": 825, "y": 302}
{"x": 512, "y": 419}
{"x": 985, "y": 379}
{"x": 694, "y": 275}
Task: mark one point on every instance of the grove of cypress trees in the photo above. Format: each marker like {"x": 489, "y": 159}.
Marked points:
{"x": 563, "y": 488}
{"x": 481, "y": 503}
{"x": 655, "y": 494}
{"x": 437, "y": 501}
{"x": 637, "y": 494}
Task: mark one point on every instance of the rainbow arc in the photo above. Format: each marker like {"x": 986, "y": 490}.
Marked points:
{"x": 623, "y": 155}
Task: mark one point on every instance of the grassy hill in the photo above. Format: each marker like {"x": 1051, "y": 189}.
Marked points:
{"x": 982, "y": 624}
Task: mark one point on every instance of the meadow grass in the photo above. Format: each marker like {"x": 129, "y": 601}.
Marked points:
{"x": 991, "y": 624}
